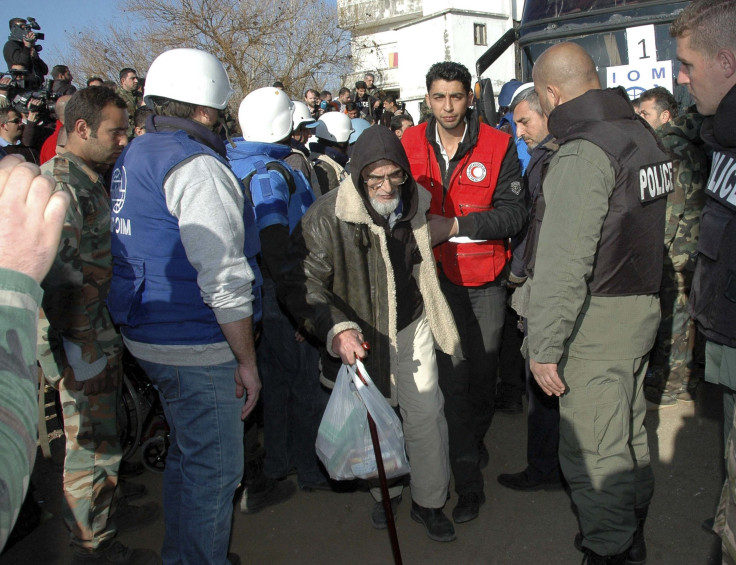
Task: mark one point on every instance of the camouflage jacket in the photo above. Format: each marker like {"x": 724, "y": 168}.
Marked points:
{"x": 132, "y": 101}
{"x": 77, "y": 284}
{"x": 19, "y": 300}
{"x": 681, "y": 139}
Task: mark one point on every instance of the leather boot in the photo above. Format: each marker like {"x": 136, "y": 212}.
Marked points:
{"x": 638, "y": 551}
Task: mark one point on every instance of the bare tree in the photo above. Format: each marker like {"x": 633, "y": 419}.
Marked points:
{"x": 259, "y": 41}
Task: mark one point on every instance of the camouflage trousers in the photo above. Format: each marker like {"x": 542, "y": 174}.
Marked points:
{"x": 671, "y": 358}
{"x": 92, "y": 459}
{"x": 720, "y": 368}
{"x": 725, "y": 522}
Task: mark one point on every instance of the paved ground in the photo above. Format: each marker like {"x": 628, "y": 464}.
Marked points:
{"x": 513, "y": 528}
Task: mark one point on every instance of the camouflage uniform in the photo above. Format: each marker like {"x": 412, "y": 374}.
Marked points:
{"x": 19, "y": 300}
{"x": 74, "y": 303}
{"x": 132, "y": 100}
{"x": 672, "y": 354}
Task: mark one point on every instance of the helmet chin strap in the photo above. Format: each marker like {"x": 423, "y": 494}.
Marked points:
{"x": 228, "y": 136}
{"x": 222, "y": 121}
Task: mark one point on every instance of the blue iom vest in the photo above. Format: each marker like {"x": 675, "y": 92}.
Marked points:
{"x": 279, "y": 194}
{"x": 154, "y": 295}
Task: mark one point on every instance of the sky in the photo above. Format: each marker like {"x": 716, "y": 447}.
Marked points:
{"x": 59, "y": 19}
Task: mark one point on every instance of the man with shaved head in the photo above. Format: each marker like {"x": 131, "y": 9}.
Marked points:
{"x": 594, "y": 311}
{"x": 58, "y": 138}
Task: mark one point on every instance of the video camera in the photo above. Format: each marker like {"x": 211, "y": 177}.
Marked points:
{"x": 19, "y": 95}
{"x": 19, "y": 32}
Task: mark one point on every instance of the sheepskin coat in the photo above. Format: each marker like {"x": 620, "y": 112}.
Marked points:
{"x": 338, "y": 274}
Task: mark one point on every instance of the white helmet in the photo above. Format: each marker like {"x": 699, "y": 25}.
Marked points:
{"x": 265, "y": 115}
{"x": 334, "y": 126}
{"x": 189, "y": 75}
{"x": 302, "y": 115}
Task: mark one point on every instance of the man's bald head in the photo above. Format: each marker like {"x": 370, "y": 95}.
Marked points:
{"x": 563, "y": 72}
{"x": 60, "y": 106}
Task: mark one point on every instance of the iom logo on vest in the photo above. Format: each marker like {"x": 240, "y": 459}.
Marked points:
{"x": 722, "y": 181}
{"x": 118, "y": 190}
{"x": 655, "y": 181}
{"x": 476, "y": 171}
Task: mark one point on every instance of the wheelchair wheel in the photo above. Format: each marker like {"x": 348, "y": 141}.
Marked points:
{"x": 153, "y": 453}
{"x": 130, "y": 419}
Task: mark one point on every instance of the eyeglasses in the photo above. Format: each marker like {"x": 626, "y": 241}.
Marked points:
{"x": 395, "y": 179}
{"x": 15, "y": 121}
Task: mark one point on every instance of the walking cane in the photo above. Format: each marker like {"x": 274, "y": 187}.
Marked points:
{"x": 382, "y": 478}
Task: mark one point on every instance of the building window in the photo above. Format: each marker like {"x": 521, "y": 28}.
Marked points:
{"x": 479, "y": 34}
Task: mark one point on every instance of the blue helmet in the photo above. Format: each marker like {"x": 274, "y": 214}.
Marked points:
{"x": 507, "y": 92}
{"x": 359, "y": 126}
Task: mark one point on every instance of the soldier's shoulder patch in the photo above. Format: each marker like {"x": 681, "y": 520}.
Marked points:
{"x": 59, "y": 169}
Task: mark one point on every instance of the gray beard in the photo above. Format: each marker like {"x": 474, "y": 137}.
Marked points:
{"x": 385, "y": 208}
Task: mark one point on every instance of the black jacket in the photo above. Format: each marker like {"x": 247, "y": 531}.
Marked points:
{"x": 713, "y": 295}
{"x": 16, "y": 53}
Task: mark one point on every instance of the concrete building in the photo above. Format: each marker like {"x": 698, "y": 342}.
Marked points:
{"x": 398, "y": 40}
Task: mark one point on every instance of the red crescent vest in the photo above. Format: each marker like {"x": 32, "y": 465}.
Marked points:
{"x": 470, "y": 190}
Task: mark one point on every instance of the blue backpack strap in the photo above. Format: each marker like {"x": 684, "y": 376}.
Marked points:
{"x": 270, "y": 203}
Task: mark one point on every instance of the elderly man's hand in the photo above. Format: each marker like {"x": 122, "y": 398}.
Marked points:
{"x": 349, "y": 346}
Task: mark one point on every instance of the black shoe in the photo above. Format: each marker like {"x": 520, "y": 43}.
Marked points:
{"x": 483, "y": 455}
{"x": 130, "y": 491}
{"x": 128, "y": 518}
{"x": 113, "y": 552}
{"x": 311, "y": 487}
{"x": 265, "y": 492}
{"x": 468, "y": 506}
{"x": 508, "y": 406}
{"x": 637, "y": 554}
{"x": 521, "y": 481}
{"x": 438, "y": 527}
{"x": 592, "y": 558}
{"x": 378, "y": 515}
{"x": 233, "y": 558}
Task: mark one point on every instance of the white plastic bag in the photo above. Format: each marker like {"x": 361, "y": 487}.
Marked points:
{"x": 344, "y": 442}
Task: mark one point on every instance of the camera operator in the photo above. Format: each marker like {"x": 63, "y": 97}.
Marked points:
{"x": 17, "y": 137}
{"x": 21, "y": 49}
{"x": 391, "y": 108}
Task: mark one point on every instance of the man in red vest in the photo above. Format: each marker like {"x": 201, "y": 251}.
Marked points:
{"x": 473, "y": 173}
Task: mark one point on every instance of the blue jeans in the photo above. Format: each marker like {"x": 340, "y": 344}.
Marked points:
{"x": 205, "y": 459}
{"x": 293, "y": 399}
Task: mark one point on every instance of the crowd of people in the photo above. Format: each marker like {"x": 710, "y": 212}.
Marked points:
{"x": 575, "y": 242}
